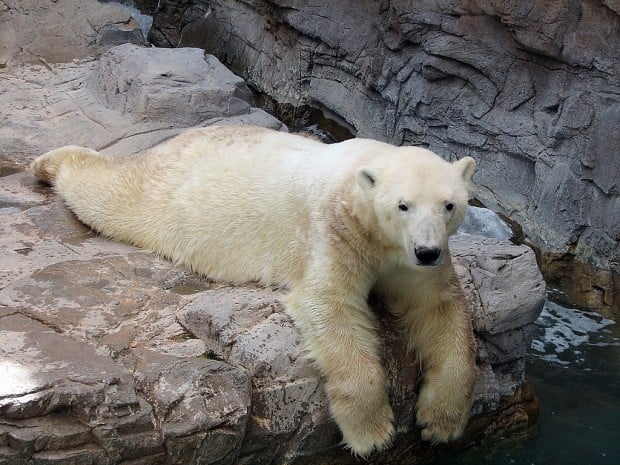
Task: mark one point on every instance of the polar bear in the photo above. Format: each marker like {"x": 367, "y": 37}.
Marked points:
{"x": 331, "y": 223}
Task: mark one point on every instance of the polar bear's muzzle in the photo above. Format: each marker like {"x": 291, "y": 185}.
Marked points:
{"x": 428, "y": 256}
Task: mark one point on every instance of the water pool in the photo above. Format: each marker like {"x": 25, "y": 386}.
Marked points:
{"x": 574, "y": 366}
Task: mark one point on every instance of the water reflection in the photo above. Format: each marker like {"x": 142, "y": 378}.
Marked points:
{"x": 564, "y": 333}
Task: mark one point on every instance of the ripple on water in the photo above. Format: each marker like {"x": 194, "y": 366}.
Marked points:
{"x": 562, "y": 332}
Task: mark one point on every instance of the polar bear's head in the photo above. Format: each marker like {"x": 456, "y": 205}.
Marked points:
{"x": 417, "y": 200}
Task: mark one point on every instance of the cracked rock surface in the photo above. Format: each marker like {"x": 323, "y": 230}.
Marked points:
{"x": 110, "y": 355}
{"x": 529, "y": 89}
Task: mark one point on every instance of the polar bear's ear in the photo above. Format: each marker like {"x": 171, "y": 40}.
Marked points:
{"x": 366, "y": 178}
{"x": 465, "y": 167}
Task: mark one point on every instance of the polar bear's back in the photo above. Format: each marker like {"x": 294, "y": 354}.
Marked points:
{"x": 239, "y": 202}
{"x": 249, "y": 152}
{"x": 234, "y": 203}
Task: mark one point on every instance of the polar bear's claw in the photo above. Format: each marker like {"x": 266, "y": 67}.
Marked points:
{"x": 439, "y": 426}
{"x": 376, "y": 438}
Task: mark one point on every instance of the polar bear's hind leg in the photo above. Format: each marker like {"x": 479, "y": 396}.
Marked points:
{"x": 47, "y": 166}
{"x": 102, "y": 193}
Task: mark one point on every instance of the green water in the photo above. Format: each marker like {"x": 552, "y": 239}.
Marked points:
{"x": 574, "y": 366}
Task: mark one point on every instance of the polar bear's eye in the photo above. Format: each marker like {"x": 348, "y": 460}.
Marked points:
{"x": 449, "y": 207}
{"x": 403, "y": 207}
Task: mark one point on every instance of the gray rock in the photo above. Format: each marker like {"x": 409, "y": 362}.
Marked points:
{"x": 201, "y": 405}
{"x": 530, "y": 92}
{"x": 97, "y": 340}
{"x": 486, "y": 223}
{"x": 510, "y": 294}
{"x": 62, "y": 31}
{"x": 131, "y": 99}
{"x": 511, "y": 291}
{"x": 68, "y": 400}
{"x": 248, "y": 328}
{"x": 155, "y": 85}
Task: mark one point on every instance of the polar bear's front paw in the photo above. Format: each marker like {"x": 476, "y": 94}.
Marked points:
{"x": 369, "y": 433}
{"x": 442, "y": 418}
{"x": 440, "y": 427}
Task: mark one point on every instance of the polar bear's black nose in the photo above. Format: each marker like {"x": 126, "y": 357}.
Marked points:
{"x": 428, "y": 255}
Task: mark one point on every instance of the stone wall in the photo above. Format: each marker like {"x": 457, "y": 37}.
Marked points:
{"x": 529, "y": 89}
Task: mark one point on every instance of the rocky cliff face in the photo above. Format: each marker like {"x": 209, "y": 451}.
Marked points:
{"x": 529, "y": 89}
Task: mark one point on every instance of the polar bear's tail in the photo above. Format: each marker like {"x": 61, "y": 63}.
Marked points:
{"x": 47, "y": 166}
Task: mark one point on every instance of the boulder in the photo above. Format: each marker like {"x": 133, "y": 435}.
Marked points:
{"x": 59, "y": 31}
{"x": 531, "y": 92}
{"x": 484, "y": 222}
{"x": 132, "y": 98}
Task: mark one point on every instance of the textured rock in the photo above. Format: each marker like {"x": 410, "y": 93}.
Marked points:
{"x": 99, "y": 370}
{"x": 201, "y": 406}
{"x": 67, "y": 399}
{"x": 248, "y": 328}
{"x": 486, "y": 223}
{"x": 530, "y": 91}
{"x": 155, "y": 85}
{"x": 56, "y": 31}
{"x": 132, "y": 98}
